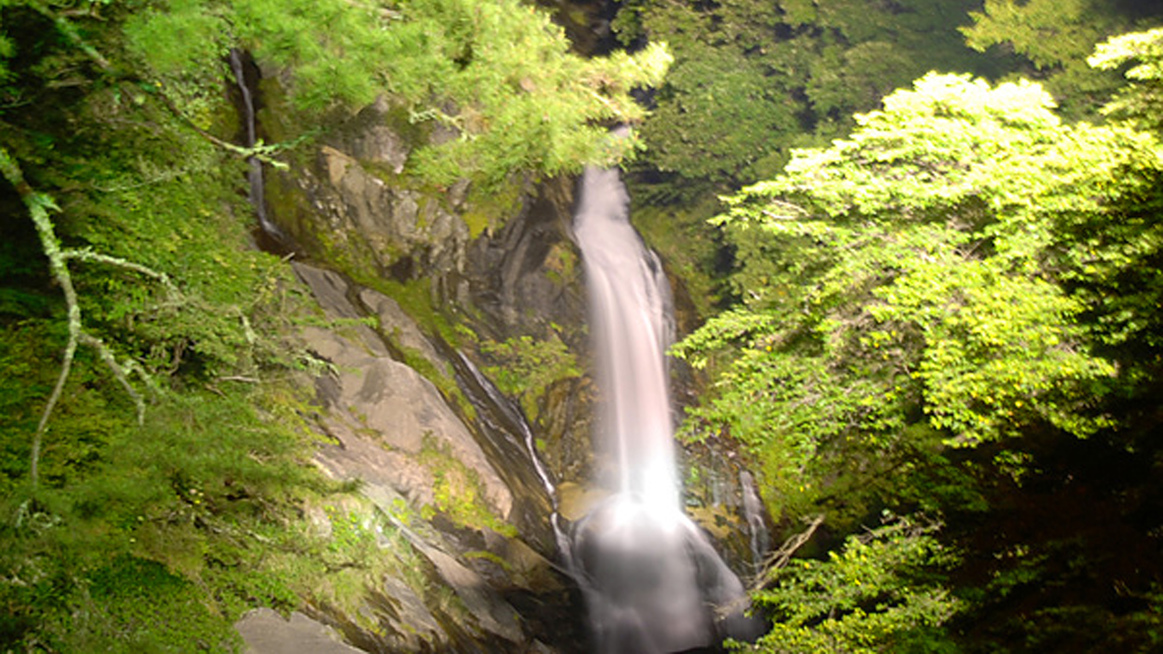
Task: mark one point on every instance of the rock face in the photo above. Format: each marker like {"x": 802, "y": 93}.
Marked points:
{"x": 527, "y": 279}
{"x": 395, "y": 434}
{"x": 349, "y": 208}
{"x": 369, "y": 393}
{"x": 442, "y": 460}
{"x": 267, "y": 632}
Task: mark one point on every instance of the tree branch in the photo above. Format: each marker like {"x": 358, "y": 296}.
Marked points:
{"x": 86, "y": 254}
{"x": 38, "y": 206}
{"x": 258, "y": 151}
{"x": 118, "y": 371}
{"x": 66, "y": 28}
{"x": 782, "y": 556}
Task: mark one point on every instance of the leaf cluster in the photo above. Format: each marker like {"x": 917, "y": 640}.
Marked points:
{"x": 932, "y": 258}
{"x": 526, "y": 367}
{"x": 495, "y": 80}
{"x": 1056, "y": 37}
{"x": 752, "y": 80}
{"x": 880, "y": 592}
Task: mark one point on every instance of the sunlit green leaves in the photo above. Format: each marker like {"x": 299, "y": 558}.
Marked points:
{"x": 1055, "y": 36}
{"x": 960, "y": 260}
{"x": 879, "y": 593}
{"x": 753, "y": 79}
{"x": 1141, "y": 101}
{"x": 1049, "y": 32}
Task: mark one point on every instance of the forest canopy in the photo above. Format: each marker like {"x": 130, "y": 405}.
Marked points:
{"x": 935, "y": 311}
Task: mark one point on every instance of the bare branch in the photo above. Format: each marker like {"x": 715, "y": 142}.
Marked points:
{"x": 117, "y": 370}
{"x": 782, "y": 556}
{"x": 38, "y": 206}
{"x": 85, "y": 254}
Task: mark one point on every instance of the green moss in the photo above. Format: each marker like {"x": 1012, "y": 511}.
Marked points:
{"x": 137, "y": 605}
{"x": 486, "y": 555}
{"x": 487, "y": 209}
{"x": 457, "y": 490}
{"x": 689, "y": 246}
{"x": 561, "y": 264}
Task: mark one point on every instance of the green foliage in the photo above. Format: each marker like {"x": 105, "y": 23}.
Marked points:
{"x": 932, "y": 269}
{"x": 136, "y": 605}
{"x": 497, "y": 81}
{"x": 1048, "y": 33}
{"x": 1139, "y": 101}
{"x": 881, "y": 592}
{"x": 130, "y": 543}
{"x": 526, "y": 367}
{"x": 495, "y": 78}
{"x": 151, "y": 537}
{"x": 1056, "y": 36}
{"x": 751, "y": 80}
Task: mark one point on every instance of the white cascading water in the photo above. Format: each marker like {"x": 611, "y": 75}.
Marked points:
{"x": 652, "y": 582}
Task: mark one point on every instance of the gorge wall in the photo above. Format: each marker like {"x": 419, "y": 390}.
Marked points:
{"x": 418, "y": 290}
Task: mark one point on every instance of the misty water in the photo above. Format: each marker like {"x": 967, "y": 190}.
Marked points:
{"x": 651, "y": 579}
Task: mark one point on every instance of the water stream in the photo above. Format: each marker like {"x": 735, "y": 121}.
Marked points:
{"x": 273, "y": 238}
{"x": 652, "y": 581}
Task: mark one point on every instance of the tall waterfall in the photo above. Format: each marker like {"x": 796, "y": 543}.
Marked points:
{"x": 631, "y": 328}
{"x": 652, "y": 582}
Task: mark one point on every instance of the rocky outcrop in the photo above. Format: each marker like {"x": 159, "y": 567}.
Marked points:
{"x": 527, "y": 279}
{"x": 528, "y": 274}
{"x": 382, "y": 413}
{"x": 350, "y": 207}
{"x": 441, "y": 459}
{"x": 266, "y": 632}
{"x": 400, "y": 439}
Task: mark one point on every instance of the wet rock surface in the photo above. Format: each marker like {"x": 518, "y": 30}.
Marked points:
{"x": 527, "y": 279}
{"x": 401, "y": 410}
{"x": 487, "y": 588}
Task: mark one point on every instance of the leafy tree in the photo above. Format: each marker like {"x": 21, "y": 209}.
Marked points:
{"x": 499, "y": 75}
{"x": 1140, "y": 101}
{"x": 1056, "y": 36}
{"x": 752, "y": 80}
{"x": 527, "y": 367}
{"x": 881, "y": 592}
{"x": 943, "y": 272}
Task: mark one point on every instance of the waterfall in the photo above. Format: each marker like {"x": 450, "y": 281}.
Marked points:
{"x": 630, "y": 325}
{"x": 256, "y": 191}
{"x": 652, "y": 582}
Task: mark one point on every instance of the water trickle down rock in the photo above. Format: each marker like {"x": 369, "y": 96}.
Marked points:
{"x": 378, "y": 412}
{"x": 346, "y": 208}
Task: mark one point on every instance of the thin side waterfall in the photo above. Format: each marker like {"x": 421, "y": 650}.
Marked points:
{"x": 256, "y": 191}
{"x": 652, "y": 582}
